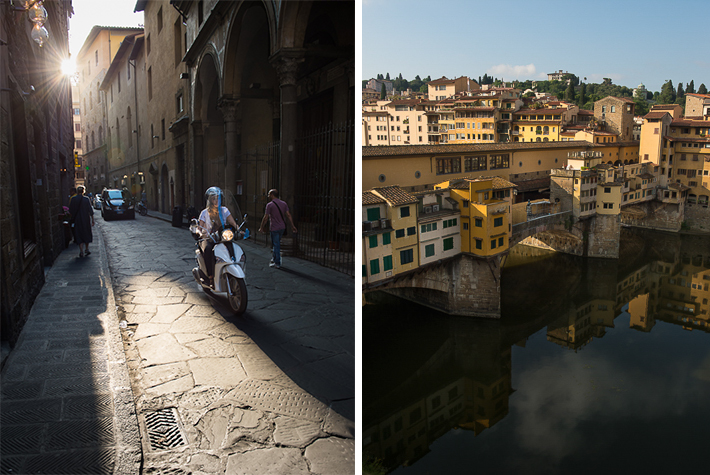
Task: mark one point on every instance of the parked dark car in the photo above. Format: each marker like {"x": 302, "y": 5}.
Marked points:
{"x": 117, "y": 204}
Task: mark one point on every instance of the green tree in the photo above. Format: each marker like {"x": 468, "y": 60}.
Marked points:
{"x": 383, "y": 92}
{"x": 702, "y": 89}
{"x": 667, "y": 93}
{"x": 582, "y": 93}
{"x": 642, "y": 106}
{"x": 569, "y": 92}
{"x": 380, "y": 76}
{"x": 690, "y": 88}
{"x": 388, "y": 76}
{"x": 364, "y": 83}
{"x": 680, "y": 94}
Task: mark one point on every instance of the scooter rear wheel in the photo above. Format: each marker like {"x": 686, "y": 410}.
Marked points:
{"x": 238, "y": 294}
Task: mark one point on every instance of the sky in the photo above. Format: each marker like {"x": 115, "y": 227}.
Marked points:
{"x": 630, "y": 41}
{"x": 89, "y": 13}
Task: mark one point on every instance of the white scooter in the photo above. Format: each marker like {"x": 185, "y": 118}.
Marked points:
{"x": 230, "y": 263}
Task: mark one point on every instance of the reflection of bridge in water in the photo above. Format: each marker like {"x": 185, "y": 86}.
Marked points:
{"x": 428, "y": 373}
{"x": 470, "y": 285}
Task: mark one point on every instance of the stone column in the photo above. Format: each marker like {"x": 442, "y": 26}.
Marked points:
{"x": 197, "y": 177}
{"x": 286, "y": 64}
{"x": 230, "y": 109}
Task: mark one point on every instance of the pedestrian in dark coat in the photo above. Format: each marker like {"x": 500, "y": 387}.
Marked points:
{"x": 82, "y": 215}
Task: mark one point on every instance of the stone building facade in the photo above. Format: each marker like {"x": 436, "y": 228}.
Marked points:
{"x": 36, "y": 156}
{"x": 618, "y": 115}
{"x": 92, "y": 62}
{"x": 271, "y": 105}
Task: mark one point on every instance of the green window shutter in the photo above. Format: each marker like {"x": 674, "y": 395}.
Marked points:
{"x": 448, "y": 243}
{"x": 386, "y": 238}
{"x": 429, "y": 250}
{"x": 373, "y": 241}
{"x": 387, "y": 262}
{"x": 373, "y": 214}
{"x": 374, "y": 266}
{"x": 364, "y": 270}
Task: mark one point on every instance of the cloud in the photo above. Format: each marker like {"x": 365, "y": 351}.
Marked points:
{"x": 506, "y": 71}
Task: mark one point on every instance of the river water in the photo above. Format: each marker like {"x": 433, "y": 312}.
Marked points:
{"x": 596, "y": 366}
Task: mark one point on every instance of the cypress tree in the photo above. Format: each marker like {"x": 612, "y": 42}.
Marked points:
{"x": 702, "y": 89}
{"x": 690, "y": 88}
{"x": 383, "y": 92}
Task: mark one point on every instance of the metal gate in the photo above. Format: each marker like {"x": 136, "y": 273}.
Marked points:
{"x": 324, "y": 201}
{"x": 325, "y": 197}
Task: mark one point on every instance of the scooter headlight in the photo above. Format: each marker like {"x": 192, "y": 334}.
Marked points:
{"x": 227, "y": 235}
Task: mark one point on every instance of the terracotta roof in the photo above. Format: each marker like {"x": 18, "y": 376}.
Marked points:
{"x": 622, "y": 99}
{"x": 664, "y": 107}
{"x": 690, "y": 122}
{"x": 441, "y": 80}
{"x": 704, "y": 96}
{"x": 375, "y": 113}
{"x": 395, "y": 195}
{"x": 585, "y": 112}
{"x": 655, "y": 115}
{"x": 369, "y": 198}
{"x": 686, "y": 140}
{"x": 497, "y": 183}
{"x": 399, "y": 150}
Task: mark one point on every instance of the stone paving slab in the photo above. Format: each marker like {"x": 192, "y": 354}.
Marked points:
{"x": 65, "y": 407}
{"x": 241, "y": 386}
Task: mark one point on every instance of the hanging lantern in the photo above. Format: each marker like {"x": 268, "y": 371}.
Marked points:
{"x": 38, "y": 14}
{"x": 39, "y": 34}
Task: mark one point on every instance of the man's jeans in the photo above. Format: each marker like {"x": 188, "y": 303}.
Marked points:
{"x": 276, "y": 241}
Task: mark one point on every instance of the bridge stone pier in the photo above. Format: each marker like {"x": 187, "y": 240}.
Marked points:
{"x": 596, "y": 236}
{"x": 462, "y": 285}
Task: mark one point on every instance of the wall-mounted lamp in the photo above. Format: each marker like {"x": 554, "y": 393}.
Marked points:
{"x": 32, "y": 89}
{"x": 184, "y": 75}
{"x": 37, "y": 15}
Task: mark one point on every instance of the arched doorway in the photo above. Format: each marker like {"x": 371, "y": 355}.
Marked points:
{"x": 164, "y": 204}
{"x": 208, "y": 128}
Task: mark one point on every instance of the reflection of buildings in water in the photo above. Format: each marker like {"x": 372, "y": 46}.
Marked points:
{"x": 582, "y": 324}
{"x": 474, "y": 401}
{"x": 676, "y": 293}
{"x": 465, "y": 382}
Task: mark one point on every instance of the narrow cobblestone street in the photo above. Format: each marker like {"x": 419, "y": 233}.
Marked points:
{"x": 126, "y": 367}
{"x": 271, "y": 391}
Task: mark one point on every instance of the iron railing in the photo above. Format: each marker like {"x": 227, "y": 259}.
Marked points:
{"x": 324, "y": 200}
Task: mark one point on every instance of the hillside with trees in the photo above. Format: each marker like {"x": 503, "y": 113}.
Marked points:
{"x": 579, "y": 92}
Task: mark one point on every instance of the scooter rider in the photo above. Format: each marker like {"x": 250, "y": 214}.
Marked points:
{"x": 213, "y": 218}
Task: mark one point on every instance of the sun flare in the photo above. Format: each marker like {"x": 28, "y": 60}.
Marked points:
{"x": 68, "y": 67}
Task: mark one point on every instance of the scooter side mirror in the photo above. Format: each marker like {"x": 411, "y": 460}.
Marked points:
{"x": 195, "y": 229}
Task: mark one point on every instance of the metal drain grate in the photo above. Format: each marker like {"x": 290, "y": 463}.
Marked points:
{"x": 163, "y": 428}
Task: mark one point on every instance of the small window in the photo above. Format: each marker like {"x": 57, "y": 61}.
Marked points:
{"x": 373, "y": 214}
{"x": 374, "y": 266}
{"x": 373, "y": 241}
{"x": 387, "y": 263}
{"x": 386, "y": 239}
{"x": 404, "y": 212}
{"x": 429, "y": 250}
{"x": 448, "y": 244}
{"x": 479, "y": 222}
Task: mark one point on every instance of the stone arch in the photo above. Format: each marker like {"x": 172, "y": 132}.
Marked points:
{"x": 246, "y": 20}
{"x": 164, "y": 189}
{"x": 208, "y": 123}
{"x": 251, "y": 100}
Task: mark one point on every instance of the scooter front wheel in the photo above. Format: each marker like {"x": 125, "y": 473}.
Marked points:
{"x": 143, "y": 212}
{"x": 237, "y": 295}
